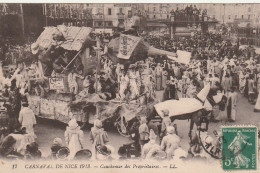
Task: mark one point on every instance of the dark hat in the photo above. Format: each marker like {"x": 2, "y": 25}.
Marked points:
{"x": 102, "y": 149}
{"x": 83, "y": 155}
{"x": 63, "y": 153}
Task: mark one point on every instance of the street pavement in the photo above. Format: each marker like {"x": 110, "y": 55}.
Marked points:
{"x": 47, "y": 130}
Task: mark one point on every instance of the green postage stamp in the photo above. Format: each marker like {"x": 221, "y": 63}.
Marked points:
{"x": 239, "y": 148}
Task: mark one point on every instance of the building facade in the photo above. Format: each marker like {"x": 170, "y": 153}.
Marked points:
{"x": 109, "y": 16}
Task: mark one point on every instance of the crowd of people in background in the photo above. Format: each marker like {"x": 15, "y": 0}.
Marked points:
{"x": 215, "y": 62}
{"x": 189, "y": 13}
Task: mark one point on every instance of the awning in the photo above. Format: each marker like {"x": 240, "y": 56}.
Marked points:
{"x": 69, "y": 38}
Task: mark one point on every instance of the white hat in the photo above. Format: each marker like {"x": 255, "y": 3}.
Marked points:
{"x": 98, "y": 123}
{"x": 166, "y": 111}
{"x": 73, "y": 123}
{"x": 170, "y": 130}
{"x": 35, "y": 48}
{"x": 202, "y": 95}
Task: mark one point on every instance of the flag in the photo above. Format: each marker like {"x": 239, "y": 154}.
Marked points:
{"x": 183, "y": 57}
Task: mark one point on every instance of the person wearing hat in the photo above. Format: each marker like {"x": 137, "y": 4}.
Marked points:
{"x": 166, "y": 121}
{"x": 232, "y": 104}
{"x": 98, "y": 137}
{"x": 150, "y": 145}
{"x": 32, "y": 151}
{"x": 56, "y": 146}
{"x": 73, "y": 137}
{"x": 226, "y": 83}
{"x": 27, "y": 119}
{"x": 170, "y": 142}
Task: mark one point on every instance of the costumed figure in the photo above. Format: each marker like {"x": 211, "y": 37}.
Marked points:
{"x": 158, "y": 77}
{"x": 86, "y": 84}
{"x": 170, "y": 142}
{"x": 123, "y": 84}
{"x": 72, "y": 80}
{"x": 27, "y": 119}
{"x": 151, "y": 145}
{"x": 73, "y": 137}
{"x": 164, "y": 78}
{"x": 134, "y": 90}
{"x": 166, "y": 121}
{"x": 232, "y": 105}
{"x": 98, "y": 137}
{"x": 242, "y": 82}
{"x": 56, "y": 146}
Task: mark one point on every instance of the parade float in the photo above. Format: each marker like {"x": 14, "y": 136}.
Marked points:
{"x": 58, "y": 103}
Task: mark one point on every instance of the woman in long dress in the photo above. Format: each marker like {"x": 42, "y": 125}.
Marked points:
{"x": 74, "y": 138}
{"x": 242, "y": 82}
{"x": 158, "y": 77}
{"x": 99, "y": 137}
{"x": 236, "y": 147}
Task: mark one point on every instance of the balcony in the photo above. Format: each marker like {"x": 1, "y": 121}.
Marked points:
{"x": 98, "y": 17}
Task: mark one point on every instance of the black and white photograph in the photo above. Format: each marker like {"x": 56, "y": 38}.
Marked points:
{"x": 149, "y": 83}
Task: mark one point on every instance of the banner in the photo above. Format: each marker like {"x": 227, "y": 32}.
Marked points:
{"x": 56, "y": 83}
{"x": 183, "y": 57}
{"x": 127, "y": 44}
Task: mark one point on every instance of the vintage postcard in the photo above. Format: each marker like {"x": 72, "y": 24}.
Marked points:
{"x": 129, "y": 87}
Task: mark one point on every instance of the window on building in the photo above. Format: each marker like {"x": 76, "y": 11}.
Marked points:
{"x": 229, "y": 17}
{"x": 154, "y": 8}
{"x": 109, "y": 11}
{"x": 120, "y": 10}
{"x": 154, "y": 16}
{"x": 214, "y": 16}
{"x": 242, "y": 16}
{"x": 248, "y": 16}
{"x": 249, "y": 9}
{"x": 167, "y": 16}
